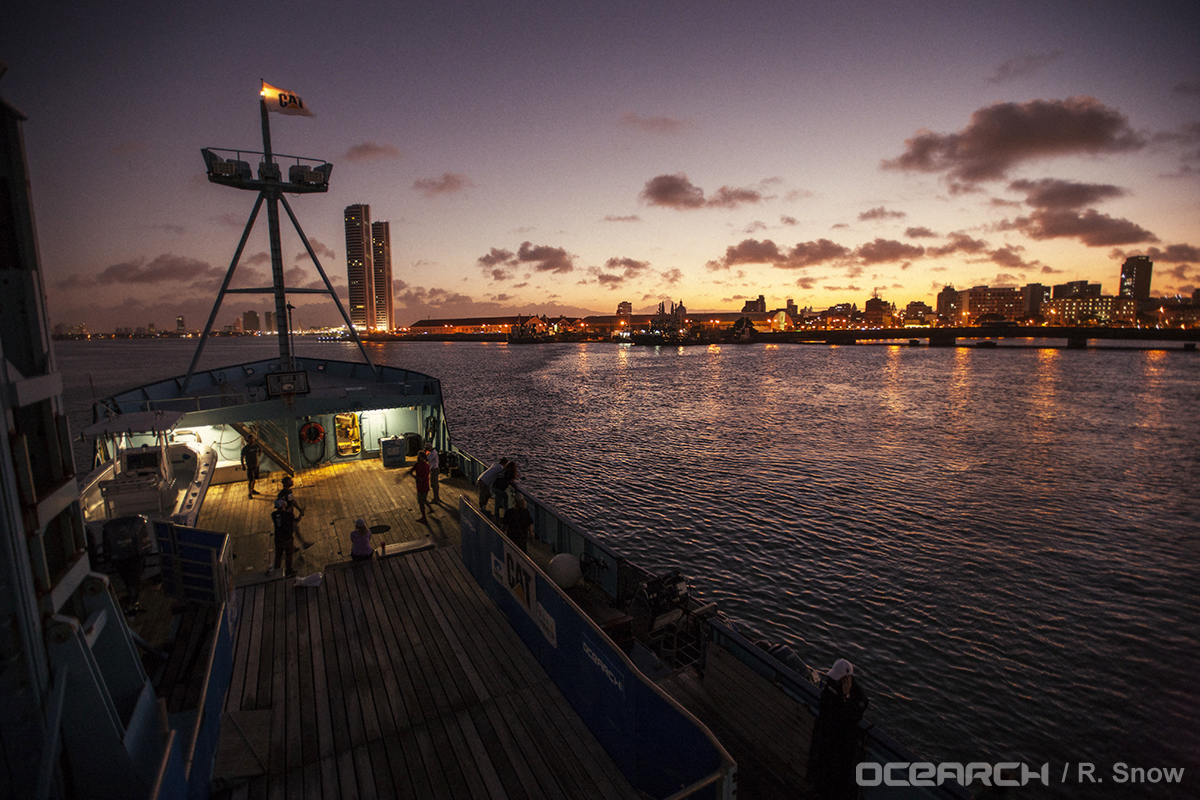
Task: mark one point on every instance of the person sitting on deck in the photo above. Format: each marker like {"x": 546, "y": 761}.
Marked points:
{"x": 360, "y": 541}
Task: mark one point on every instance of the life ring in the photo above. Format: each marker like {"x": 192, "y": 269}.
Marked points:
{"x": 312, "y": 433}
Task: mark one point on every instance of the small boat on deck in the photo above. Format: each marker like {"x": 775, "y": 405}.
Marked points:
{"x": 146, "y": 468}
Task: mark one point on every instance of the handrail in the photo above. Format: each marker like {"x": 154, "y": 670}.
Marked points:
{"x": 53, "y": 729}
{"x": 727, "y": 770}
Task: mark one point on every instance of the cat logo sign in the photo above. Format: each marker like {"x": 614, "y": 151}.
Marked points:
{"x": 283, "y": 102}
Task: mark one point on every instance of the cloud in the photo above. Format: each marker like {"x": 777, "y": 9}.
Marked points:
{"x": 1090, "y": 227}
{"x": 666, "y": 126}
{"x": 371, "y": 151}
{"x": 672, "y": 276}
{"x": 786, "y": 220}
{"x": 672, "y": 191}
{"x": 628, "y": 218}
{"x": 322, "y": 250}
{"x": 959, "y": 243}
{"x": 920, "y": 233}
{"x": 880, "y": 213}
{"x": 1188, "y": 87}
{"x": 178, "y": 230}
{"x": 809, "y": 254}
{"x": 1004, "y": 279}
{"x": 631, "y": 267}
{"x": 448, "y": 183}
{"x": 1051, "y": 193}
{"x": 167, "y": 268}
{"x": 1003, "y": 135}
{"x": 621, "y": 270}
{"x": 544, "y": 258}
{"x": 804, "y": 254}
{"x": 261, "y": 257}
{"x": 1174, "y": 254}
{"x": 885, "y": 250}
{"x": 676, "y": 191}
{"x": 1023, "y": 67}
{"x": 1010, "y": 256}
{"x": 729, "y": 197}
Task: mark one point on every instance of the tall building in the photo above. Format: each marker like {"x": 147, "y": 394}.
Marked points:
{"x": 1034, "y": 294}
{"x": 624, "y": 308}
{"x": 360, "y": 272}
{"x": 250, "y": 322}
{"x": 269, "y": 327}
{"x": 381, "y": 259}
{"x": 179, "y": 327}
{"x": 1135, "y": 277}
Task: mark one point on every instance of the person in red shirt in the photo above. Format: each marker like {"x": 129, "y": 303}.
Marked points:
{"x": 421, "y": 471}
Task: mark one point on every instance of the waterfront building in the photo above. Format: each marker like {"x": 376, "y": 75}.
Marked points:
{"x": 1076, "y": 289}
{"x": 879, "y": 313}
{"x": 381, "y": 260}
{"x": 947, "y": 304}
{"x": 250, "y": 322}
{"x": 269, "y": 326}
{"x": 360, "y": 271}
{"x": 999, "y": 303}
{"x": 1135, "y": 277}
{"x": 179, "y": 327}
{"x": 624, "y": 308}
{"x": 758, "y": 306}
{"x": 918, "y": 313}
{"x": 1105, "y": 310}
{"x": 1034, "y": 296}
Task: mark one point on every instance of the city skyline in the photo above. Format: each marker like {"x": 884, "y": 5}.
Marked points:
{"x": 557, "y": 160}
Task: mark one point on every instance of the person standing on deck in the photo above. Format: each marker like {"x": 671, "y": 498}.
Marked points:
{"x": 484, "y": 484}
{"x": 420, "y": 470}
{"x": 836, "y": 741}
{"x": 285, "y": 526}
{"x": 250, "y": 455}
{"x": 505, "y": 479}
{"x": 293, "y": 509}
{"x": 432, "y": 453}
{"x": 360, "y": 541}
{"x": 518, "y": 524}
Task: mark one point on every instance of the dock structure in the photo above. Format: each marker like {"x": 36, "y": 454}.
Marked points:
{"x": 395, "y": 677}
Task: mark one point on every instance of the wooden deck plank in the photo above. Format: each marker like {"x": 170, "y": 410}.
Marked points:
{"x": 396, "y": 677}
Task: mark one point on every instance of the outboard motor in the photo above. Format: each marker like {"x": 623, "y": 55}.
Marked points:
{"x": 127, "y": 543}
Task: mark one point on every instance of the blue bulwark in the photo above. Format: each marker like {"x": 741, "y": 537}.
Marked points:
{"x": 659, "y": 748}
{"x": 194, "y": 563}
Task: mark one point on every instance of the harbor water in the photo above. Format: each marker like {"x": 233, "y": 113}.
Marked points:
{"x": 1005, "y": 542}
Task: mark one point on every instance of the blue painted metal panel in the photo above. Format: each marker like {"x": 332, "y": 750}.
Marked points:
{"x": 658, "y": 748}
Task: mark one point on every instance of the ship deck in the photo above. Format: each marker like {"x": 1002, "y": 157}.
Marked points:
{"x": 395, "y": 677}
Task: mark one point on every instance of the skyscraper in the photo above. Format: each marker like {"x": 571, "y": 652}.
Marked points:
{"x": 269, "y": 327}
{"x": 250, "y": 321}
{"x": 381, "y": 258}
{"x": 1135, "y": 277}
{"x": 360, "y": 272}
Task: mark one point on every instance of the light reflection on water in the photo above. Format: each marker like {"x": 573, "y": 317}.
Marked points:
{"x": 1003, "y": 541}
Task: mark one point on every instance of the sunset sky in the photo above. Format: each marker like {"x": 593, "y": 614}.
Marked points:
{"x": 562, "y": 157}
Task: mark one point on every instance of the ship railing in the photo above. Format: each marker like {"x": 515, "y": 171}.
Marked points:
{"x": 652, "y": 739}
{"x": 601, "y": 564}
{"x": 877, "y": 747}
